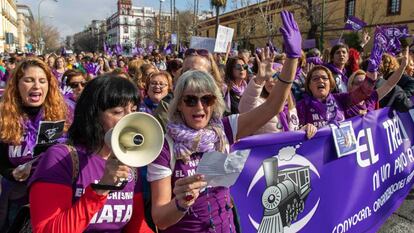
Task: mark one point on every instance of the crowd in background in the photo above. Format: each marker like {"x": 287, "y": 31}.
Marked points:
{"x": 205, "y": 102}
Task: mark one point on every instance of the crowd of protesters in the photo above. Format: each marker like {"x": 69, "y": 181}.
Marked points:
{"x": 205, "y": 102}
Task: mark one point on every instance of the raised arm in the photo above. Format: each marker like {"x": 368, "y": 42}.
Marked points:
{"x": 251, "y": 121}
{"x": 394, "y": 78}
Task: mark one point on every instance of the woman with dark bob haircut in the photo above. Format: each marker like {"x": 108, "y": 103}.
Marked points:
{"x": 60, "y": 203}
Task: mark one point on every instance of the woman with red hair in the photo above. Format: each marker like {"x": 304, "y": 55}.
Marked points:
{"x": 32, "y": 95}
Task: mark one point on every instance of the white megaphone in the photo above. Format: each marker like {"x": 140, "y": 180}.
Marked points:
{"x": 136, "y": 140}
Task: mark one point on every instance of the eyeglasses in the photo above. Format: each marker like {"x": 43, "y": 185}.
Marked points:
{"x": 74, "y": 85}
{"x": 155, "y": 84}
{"x": 241, "y": 67}
{"x": 195, "y": 52}
{"x": 206, "y": 100}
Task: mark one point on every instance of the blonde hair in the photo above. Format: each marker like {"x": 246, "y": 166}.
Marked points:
{"x": 352, "y": 77}
{"x": 11, "y": 113}
{"x": 198, "y": 81}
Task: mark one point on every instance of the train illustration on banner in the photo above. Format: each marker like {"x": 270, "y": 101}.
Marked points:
{"x": 284, "y": 198}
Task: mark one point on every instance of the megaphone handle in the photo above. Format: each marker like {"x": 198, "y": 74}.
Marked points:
{"x": 110, "y": 187}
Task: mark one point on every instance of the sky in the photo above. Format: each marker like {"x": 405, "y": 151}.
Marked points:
{"x": 71, "y": 16}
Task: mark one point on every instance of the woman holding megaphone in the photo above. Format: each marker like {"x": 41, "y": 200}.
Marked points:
{"x": 180, "y": 200}
{"x": 62, "y": 198}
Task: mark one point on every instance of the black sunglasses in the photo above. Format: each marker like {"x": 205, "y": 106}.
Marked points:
{"x": 195, "y": 52}
{"x": 76, "y": 84}
{"x": 241, "y": 67}
{"x": 206, "y": 100}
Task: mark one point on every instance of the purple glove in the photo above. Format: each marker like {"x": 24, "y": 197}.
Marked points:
{"x": 291, "y": 35}
{"x": 380, "y": 44}
{"x": 92, "y": 68}
{"x": 314, "y": 60}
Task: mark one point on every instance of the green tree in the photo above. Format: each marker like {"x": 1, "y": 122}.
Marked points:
{"x": 218, "y": 4}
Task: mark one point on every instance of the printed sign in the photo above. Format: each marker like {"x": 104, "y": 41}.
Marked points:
{"x": 344, "y": 138}
{"x": 49, "y": 132}
{"x": 224, "y": 37}
{"x": 174, "y": 38}
{"x": 198, "y": 42}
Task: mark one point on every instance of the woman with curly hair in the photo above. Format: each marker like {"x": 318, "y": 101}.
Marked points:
{"x": 32, "y": 95}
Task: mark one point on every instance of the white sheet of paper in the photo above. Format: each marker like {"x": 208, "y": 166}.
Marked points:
{"x": 224, "y": 37}
{"x": 198, "y": 42}
{"x": 222, "y": 169}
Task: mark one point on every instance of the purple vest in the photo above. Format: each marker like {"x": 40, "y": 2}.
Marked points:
{"x": 212, "y": 201}
{"x": 55, "y": 166}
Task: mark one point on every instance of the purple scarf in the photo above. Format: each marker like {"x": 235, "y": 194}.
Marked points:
{"x": 283, "y": 118}
{"x": 336, "y": 70}
{"x": 31, "y": 127}
{"x": 188, "y": 141}
{"x": 237, "y": 90}
{"x": 328, "y": 111}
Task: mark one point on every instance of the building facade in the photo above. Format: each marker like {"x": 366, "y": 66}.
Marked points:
{"x": 131, "y": 25}
{"x": 255, "y": 24}
{"x": 24, "y": 18}
{"x": 8, "y": 26}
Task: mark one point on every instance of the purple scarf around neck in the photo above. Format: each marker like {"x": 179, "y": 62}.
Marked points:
{"x": 336, "y": 70}
{"x": 239, "y": 90}
{"x": 31, "y": 128}
{"x": 188, "y": 141}
{"x": 283, "y": 118}
{"x": 328, "y": 111}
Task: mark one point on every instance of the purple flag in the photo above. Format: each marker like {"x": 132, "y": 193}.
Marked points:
{"x": 309, "y": 44}
{"x": 335, "y": 42}
{"x": 118, "y": 49}
{"x": 354, "y": 24}
{"x": 105, "y": 49}
{"x": 272, "y": 48}
{"x": 291, "y": 184}
{"x": 168, "y": 50}
{"x": 63, "y": 51}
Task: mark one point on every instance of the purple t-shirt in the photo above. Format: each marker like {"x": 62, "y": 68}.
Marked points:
{"x": 360, "y": 109}
{"x": 55, "y": 166}
{"x": 216, "y": 199}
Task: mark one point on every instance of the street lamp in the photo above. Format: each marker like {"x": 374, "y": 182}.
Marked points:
{"x": 159, "y": 32}
{"x": 40, "y": 27}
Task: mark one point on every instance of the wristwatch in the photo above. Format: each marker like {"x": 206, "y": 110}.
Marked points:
{"x": 179, "y": 208}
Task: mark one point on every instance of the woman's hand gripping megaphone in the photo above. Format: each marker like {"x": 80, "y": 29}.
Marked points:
{"x": 115, "y": 176}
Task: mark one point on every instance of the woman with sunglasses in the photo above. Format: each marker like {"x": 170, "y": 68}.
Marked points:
{"x": 62, "y": 197}
{"x": 236, "y": 83}
{"x": 320, "y": 107}
{"x": 180, "y": 200}
{"x": 32, "y": 95}
{"x": 257, "y": 92}
{"x": 76, "y": 80}
{"x": 158, "y": 86}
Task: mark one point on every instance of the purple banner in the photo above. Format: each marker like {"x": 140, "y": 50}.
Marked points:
{"x": 309, "y": 44}
{"x": 290, "y": 184}
{"x": 355, "y": 24}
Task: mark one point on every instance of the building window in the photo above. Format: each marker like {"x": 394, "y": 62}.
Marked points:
{"x": 394, "y": 7}
{"x": 349, "y": 8}
{"x": 126, "y": 29}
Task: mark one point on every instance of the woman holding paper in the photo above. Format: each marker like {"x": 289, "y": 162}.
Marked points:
{"x": 181, "y": 202}
{"x": 32, "y": 95}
